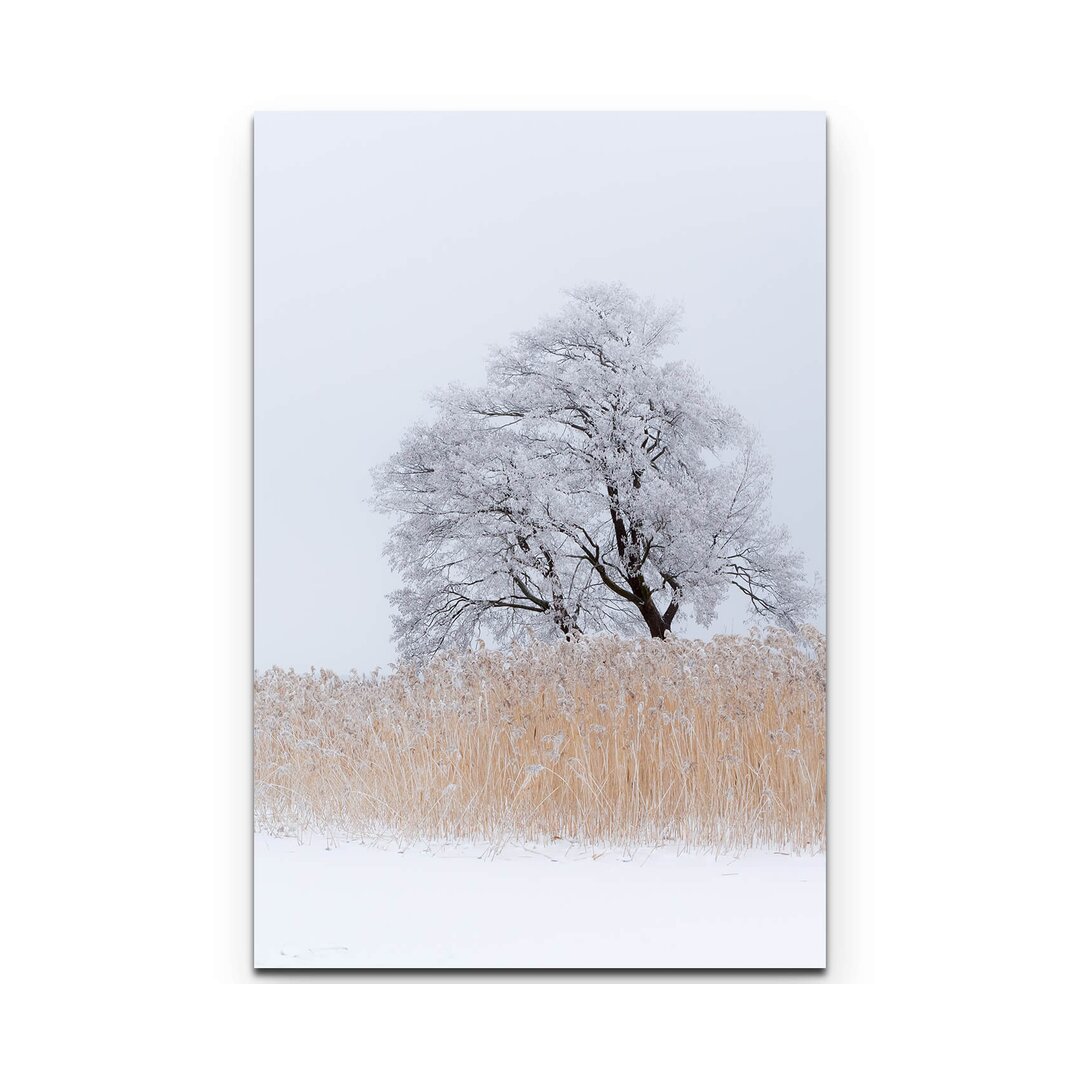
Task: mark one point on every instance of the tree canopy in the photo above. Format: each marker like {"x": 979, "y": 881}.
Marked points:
{"x": 586, "y": 486}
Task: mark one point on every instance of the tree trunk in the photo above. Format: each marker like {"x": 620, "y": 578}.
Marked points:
{"x": 658, "y": 625}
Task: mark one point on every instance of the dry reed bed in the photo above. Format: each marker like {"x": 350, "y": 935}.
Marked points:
{"x": 717, "y": 744}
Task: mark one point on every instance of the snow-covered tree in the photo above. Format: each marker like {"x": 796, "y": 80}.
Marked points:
{"x": 586, "y": 486}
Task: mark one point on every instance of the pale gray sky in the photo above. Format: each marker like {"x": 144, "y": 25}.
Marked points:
{"x": 392, "y": 249}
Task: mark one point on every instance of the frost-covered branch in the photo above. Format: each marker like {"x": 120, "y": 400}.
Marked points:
{"x": 587, "y": 485}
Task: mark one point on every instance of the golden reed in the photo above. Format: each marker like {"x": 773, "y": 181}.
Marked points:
{"x": 717, "y": 745}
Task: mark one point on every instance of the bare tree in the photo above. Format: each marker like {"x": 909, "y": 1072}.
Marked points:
{"x": 586, "y": 486}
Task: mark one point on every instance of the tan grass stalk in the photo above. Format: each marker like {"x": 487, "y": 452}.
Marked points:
{"x": 717, "y": 744}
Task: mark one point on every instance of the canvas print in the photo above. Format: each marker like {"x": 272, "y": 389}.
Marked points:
{"x": 539, "y": 540}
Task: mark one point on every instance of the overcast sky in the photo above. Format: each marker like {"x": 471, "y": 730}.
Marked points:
{"x": 393, "y": 249}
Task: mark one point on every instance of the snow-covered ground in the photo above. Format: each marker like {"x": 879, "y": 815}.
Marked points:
{"x": 367, "y": 905}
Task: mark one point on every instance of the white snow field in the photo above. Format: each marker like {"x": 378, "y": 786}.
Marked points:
{"x": 369, "y": 905}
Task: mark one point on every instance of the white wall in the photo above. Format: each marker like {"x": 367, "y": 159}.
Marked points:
{"x": 126, "y": 560}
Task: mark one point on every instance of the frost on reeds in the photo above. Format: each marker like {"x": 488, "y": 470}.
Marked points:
{"x": 717, "y": 744}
